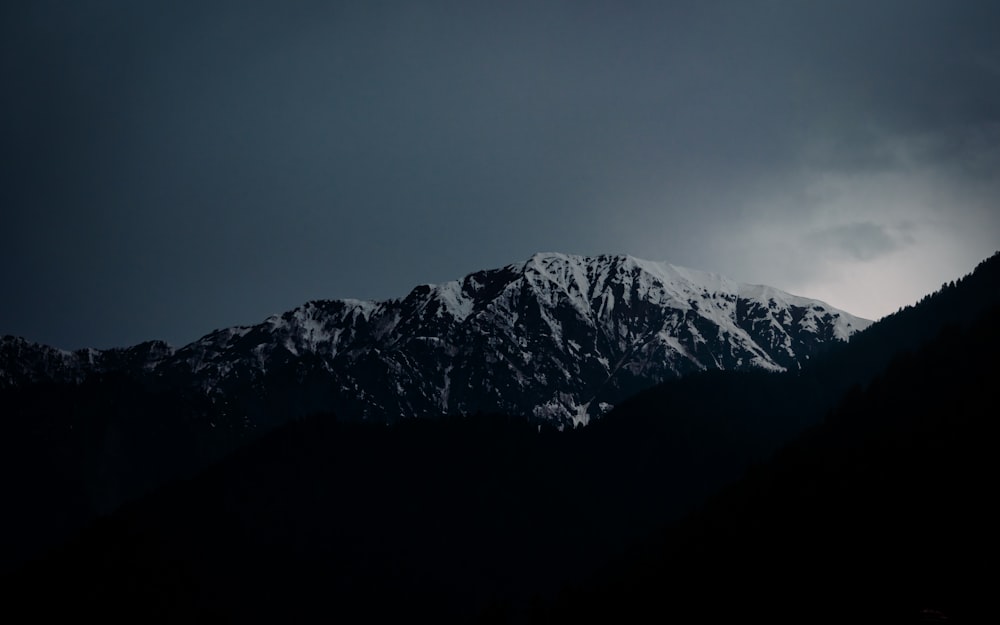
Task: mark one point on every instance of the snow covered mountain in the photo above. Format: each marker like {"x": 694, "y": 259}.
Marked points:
{"x": 560, "y": 337}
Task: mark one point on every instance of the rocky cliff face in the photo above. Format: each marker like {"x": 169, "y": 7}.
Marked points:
{"x": 559, "y": 337}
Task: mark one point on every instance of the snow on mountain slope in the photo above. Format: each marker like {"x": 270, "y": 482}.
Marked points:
{"x": 558, "y": 336}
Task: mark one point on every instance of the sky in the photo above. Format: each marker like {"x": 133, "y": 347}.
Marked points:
{"x": 173, "y": 167}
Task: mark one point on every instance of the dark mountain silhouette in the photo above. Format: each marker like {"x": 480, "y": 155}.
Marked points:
{"x": 883, "y": 513}
{"x": 488, "y": 517}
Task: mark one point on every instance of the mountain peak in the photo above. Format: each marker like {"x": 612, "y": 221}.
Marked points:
{"x": 561, "y": 337}
{"x": 558, "y": 336}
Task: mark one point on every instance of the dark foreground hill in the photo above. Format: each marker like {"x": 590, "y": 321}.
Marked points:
{"x": 884, "y": 513}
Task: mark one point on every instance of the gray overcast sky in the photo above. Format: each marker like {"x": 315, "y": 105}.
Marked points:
{"x": 169, "y": 168}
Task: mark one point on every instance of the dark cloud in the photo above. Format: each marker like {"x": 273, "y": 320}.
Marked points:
{"x": 171, "y": 167}
{"x": 860, "y": 240}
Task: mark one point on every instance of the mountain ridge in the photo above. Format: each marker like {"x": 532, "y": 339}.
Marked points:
{"x": 567, "y": 336}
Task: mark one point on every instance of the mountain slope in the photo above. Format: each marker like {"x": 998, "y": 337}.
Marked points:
{"x": 558, "y": 337}
{"x": 769, "y": 409}
{"x": 878, "y": 515}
